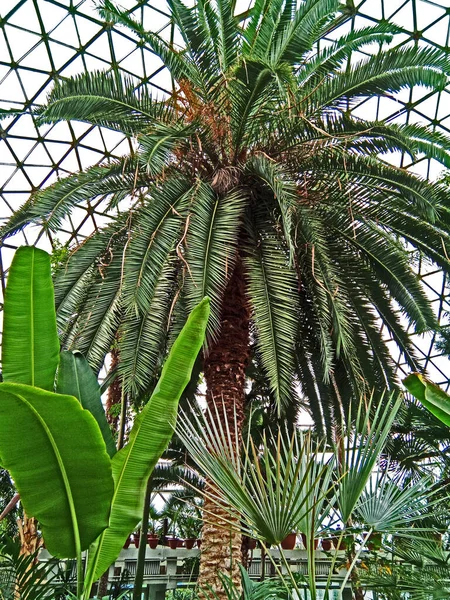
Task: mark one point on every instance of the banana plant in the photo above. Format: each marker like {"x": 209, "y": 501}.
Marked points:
{"x": 53, "y": 435}
{"x": 430, "y": 395}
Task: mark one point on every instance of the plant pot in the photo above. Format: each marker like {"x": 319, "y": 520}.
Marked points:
{"x": 136, "y": 540}
{"x": 327, "y": 544}
{"x": 180, "y": 543}
{"x": 189, "y": 543}
{"x": 249, "y": 542}
{"x": 153, "y": 540}
{"x": 289, "y": 541}
{"x": 340, "y": 544}
{"x": 316, "y": 542}
{"x": 199, "y": 542}
{"x": 172, "y": 543}
{"x": 127, "y": 542}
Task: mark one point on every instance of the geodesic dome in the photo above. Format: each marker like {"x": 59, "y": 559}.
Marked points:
{"x": 42, "y": 40}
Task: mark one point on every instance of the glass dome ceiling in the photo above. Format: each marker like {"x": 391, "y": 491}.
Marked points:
{"x": 41, "y": 40}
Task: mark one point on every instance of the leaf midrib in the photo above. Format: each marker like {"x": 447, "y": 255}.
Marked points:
{"x": 68, "y": 490}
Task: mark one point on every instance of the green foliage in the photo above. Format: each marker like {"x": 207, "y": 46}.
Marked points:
{"x": 149, "y": 436}
{"x": 263, "y": 165}
{"x": 30, "y": 350}
{"x": 76, "y": 378}
{"x": 20, "y": 572}
{"x": 430, "y": 395}
{"x": 72, "y": 471}
{"x": 61, "y": 466}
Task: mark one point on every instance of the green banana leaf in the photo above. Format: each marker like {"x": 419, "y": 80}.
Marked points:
{"x": 149, "y": 437}
{"x": 55, "y": 453}
{"x": 76, "y": 378}
{"x": 30, "y": 339}
{"x": 430, "y": 395}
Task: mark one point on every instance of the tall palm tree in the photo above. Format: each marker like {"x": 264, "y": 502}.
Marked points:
{"x": 253, "y": 183}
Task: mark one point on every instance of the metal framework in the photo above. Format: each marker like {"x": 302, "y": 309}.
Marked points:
{"x": 42, "y": 40}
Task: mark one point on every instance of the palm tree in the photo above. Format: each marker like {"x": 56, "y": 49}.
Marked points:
{"x": 253, "y": 183}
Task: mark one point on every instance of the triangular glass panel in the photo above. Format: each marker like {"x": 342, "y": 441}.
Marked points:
{"x": 21, "y": 42}
{"x": 66, "y": 32}
{"x": 26, "y": 17}
{"x": 87, "y": 29}
{"x": 61, "y": 54}
{"x": 428, "y": 16}
{"x": 21, "y": 147}
{"x": 12, "y": 90}
{"x": 52, "y": 15}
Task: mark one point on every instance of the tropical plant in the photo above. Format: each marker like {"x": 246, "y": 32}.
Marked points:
{"x": 414, "y": 569}
{"x": 96, "y": 499}
{"x": 295, "y": 483}
{"x": 253, "y": 183}
{"x": 22, "y": 574}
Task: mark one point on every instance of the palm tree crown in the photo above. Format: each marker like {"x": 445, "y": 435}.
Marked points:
{"x": 254, "y": 165}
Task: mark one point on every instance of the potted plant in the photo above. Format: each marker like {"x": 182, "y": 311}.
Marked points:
{"x": 172, "y": 543}
{"x": 289, "y": 541}
{"x": 305, "y": 541}
{"x": 190, "y": 527}
{"x": 153, "y": 535}
{"x": 327, "y": 544}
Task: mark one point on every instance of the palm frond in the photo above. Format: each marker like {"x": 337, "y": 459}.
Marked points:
{"x": 157, "y": 146}
{"x": 211, "y": 247}
{"x": 384, "y": 73}
{"x": 114, "y": 182}
{"x": 153, "y": 236}
{"x": 98, "y": 318}
{"x": 298, "y": 36}
{"x": 332, "y": 57}
{"x": 106, "y": 99}
{"x": 283, "y": 188}
{"x": 143, "y": 335}
{"x": 360, "y": 450}
{"x": 267, "y": 486}
{"x": 271, "y": 290}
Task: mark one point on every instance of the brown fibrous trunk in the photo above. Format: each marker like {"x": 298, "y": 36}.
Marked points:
{"x": 224, "y": 369}
{"x": 114, "y": 396}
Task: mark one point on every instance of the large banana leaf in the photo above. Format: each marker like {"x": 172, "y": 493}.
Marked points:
{"x": 30, "y": 340}
{"x": 76, "y": 378}
{"x": 57, "y": 458}
{"x": 151, "y": 432}
{"x": 430, "y": 395}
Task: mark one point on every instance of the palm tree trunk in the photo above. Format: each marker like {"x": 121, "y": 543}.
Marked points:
{"x": 224, "y": 370}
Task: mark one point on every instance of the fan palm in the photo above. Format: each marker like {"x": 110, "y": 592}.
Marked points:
{"x": 253, "y": 183}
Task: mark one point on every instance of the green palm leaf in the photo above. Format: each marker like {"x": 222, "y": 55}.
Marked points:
{"x": 211, "y": 247}
{"x": 360, "y": 450}
{"x": 103, "y": 98}
{"x": 271, "y": 283}
{"x": 53, "y": 204}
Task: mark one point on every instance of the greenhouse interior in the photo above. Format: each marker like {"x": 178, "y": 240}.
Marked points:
{"x": 224, "y": 258}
